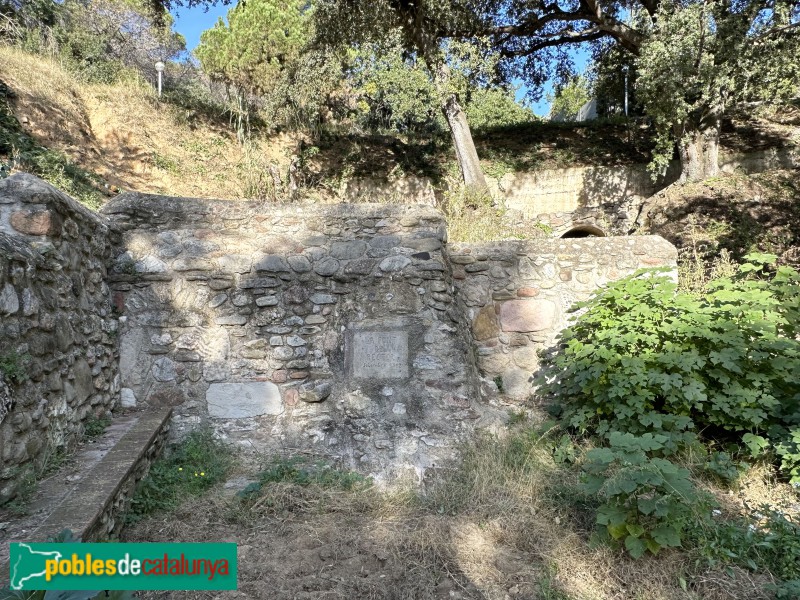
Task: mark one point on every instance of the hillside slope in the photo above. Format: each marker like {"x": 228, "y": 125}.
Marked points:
{"x": 125, "y": 136}
{"x": 95, "y": 140}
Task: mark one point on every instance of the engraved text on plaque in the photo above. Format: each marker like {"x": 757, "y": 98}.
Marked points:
{"x": 380, "y": 354}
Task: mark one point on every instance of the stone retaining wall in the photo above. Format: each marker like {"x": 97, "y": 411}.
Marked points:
{"x": 56, "y": 324}
{"x": 95, "y": 512}
{"x": 323, "y": 328}
{"x": 516, "y": 294}
{"x": 349, "y": 331}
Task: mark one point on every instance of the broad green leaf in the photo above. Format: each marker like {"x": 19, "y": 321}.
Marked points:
{"x": 635, "y": 547}
{"x": 666, "y": 535}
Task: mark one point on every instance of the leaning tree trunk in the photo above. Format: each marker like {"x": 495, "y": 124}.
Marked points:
{"x": 698, "y": 148}
{"x": 466, "y": 154}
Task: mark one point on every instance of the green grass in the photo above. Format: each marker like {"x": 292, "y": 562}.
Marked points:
{"x": 94, "y": 427}
{"x": 190, "y": 467}
{"x": 300, "y": 470}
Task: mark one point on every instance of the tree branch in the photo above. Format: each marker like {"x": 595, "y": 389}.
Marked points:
{"x": 588, "y": 35}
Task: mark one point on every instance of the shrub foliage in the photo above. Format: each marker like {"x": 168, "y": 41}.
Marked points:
{"x": 651, "y": 371}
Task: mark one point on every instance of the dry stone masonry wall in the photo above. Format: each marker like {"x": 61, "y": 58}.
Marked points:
{"x": 324, "y": 328}
{"x": 57, "y": 330}
{"x": 516, "y": 295}
{"x": 350, "y": 331}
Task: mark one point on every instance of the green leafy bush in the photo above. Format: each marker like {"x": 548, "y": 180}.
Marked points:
{"x": 645, "y": 358}
{"x": 647, "y": 501}
{"x": 650, "y": 372}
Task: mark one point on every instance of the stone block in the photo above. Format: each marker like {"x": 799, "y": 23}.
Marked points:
{"x": 243, "y": 400}
{"x": 83, "y": 382}
{"x": 217, "y": 300}
{"x": 259, "y": 282}
{"x": 516, "y": 383}
{"x": 150, "y": 264}
{"x": 394, "y": 263}
{"x": 164, "y": 370}
{"x": 348, "y": 250}
{"x": 315, "y": 391}
{"x": 231, "y": 320}
{"x": 266, "y": 301}
{"x": 362, "y": 266}
{"x": 384, "y": 242}
{"x": 127, "y": 399}
{"x": 299, "y": 263}
{"x": 485, "y": 325}
{"x": 34, "y": 221}
{"x": 272, "y": 264}
{"x": 527, "y": 292}
{"x": 9, "y": 301}
{"x": 526, "y": 358}
{"x": 527, "y": 315}
{"x": 326, "y": 267}
{"x": 320, "y": 298}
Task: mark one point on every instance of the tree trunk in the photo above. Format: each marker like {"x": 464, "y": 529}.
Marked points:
{"x": 699, "y": 152}
{"x": 466, "y": 154}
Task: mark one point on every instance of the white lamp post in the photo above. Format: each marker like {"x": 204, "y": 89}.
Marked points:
{"x": 160, "y": 68}
{"x": 625, "y": 71}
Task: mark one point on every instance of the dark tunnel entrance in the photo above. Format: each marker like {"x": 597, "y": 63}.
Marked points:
{"x": 582, "y": 231}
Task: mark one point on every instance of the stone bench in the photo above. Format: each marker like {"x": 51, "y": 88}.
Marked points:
{"x": 93, "y": 510}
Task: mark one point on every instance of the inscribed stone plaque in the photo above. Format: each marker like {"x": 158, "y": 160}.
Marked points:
{"x": 380, "y": 354}
{"x": 243, "y": 400}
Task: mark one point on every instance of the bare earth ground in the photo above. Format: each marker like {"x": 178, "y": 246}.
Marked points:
{"x": 479, "y": 533}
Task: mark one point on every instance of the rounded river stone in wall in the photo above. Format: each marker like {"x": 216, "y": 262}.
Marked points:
{"x": 243, "y": 400}
{"x": 527, "y": 315}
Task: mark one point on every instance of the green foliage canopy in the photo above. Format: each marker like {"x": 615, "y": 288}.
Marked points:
{"x": 260, "y": 38}
{"x": 699, "y": 58}
{"x": 568, "y": 98}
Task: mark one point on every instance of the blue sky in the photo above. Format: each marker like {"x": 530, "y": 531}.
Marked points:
{"x": 192, "y": 22}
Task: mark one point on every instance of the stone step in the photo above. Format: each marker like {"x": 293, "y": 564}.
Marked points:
{"x": 93, "y": 508}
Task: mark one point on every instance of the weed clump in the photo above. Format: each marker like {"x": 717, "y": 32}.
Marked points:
{"x": 13, "y": 367}
{"x": 189, "y": 467}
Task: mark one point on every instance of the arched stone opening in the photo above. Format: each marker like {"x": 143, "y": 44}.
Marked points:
{"x": 581, "y": 231}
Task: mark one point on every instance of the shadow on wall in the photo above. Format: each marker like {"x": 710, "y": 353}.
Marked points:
{"x": 321, "y": 328}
